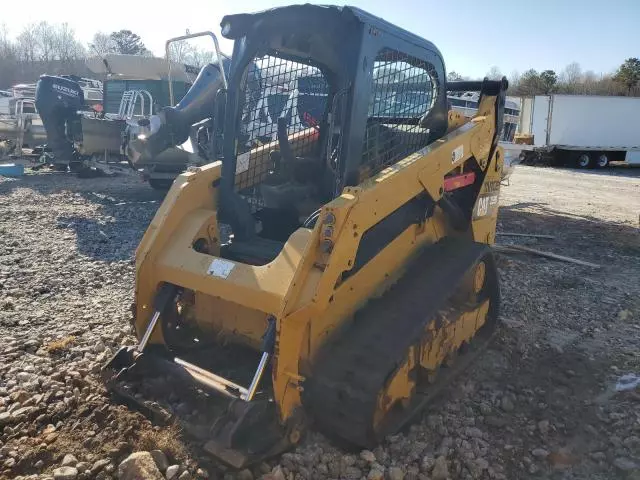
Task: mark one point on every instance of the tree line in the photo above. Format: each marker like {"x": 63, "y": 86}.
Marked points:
{"x": 625, "y": 81}
{"x": 54, "y": 49}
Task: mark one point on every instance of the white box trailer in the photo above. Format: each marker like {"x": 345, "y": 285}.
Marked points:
{"x": 583, "y": 130}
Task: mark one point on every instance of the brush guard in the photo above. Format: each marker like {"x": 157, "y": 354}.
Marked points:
{"x": 249, "y": 430}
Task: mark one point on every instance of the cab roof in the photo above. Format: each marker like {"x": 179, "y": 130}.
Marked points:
{"x": 321, "y": 17}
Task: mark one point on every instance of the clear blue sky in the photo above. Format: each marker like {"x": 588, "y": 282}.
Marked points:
{"x": 473, "y": 35}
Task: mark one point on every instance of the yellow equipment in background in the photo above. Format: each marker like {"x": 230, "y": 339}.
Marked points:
{"x": 337, "y": 257}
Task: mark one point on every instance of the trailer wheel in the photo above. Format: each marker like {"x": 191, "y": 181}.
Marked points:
{"x": 602, "y": 160}
{"x": 583, "y": 160}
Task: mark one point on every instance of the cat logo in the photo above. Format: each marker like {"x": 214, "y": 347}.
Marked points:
{"x": 487, "y": 205}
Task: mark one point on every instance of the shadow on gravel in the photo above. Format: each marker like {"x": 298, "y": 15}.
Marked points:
{"x": 584, "y": 237}
{"x": 123, "y": 187}
{"x": 115, "y": 230}
{"x": 115, "y": 234}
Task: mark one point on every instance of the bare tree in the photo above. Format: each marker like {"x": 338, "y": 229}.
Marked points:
{"x": 453, "y": 76}
{"x": 514, "y": 81}
{"x": 571, "y": 75}
{"x": 6, "y": 46}
{"x": 8, "y": 60}
{"x": 199, "y": 58}
{"x": 69, "y": 49}
{"x": 101, "y": 44}
{"x": 179, "y": 51}
{"x": 494, "y": 73}
{"x": 45, "y": 37}
{"x": 27, "y": 44}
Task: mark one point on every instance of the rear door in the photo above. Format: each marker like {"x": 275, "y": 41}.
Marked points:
{"x": 540, "y": 120}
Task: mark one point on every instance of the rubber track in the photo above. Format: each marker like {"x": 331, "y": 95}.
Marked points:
{"x": 342, "y": 393}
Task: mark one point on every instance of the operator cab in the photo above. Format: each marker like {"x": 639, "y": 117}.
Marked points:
{"x": 359, "y": 94}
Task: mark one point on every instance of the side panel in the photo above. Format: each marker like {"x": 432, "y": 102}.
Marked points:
{"x": 594, "y": 122}
{"x": 540, "y": 119}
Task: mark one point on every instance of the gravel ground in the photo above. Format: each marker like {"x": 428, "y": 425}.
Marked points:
{"x": 541, "y": 402}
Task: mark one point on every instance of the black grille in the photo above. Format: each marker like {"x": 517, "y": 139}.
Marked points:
{"x": 298, "y": 91}
{"x": 404, "y": 89}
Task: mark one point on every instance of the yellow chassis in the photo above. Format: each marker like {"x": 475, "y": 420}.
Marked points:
{"x": 303, "y": 288}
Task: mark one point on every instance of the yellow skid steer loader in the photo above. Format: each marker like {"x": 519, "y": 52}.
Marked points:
{"x": 338, "y": 256}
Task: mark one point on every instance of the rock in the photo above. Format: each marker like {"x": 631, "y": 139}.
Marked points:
{"x": 474, "y": 432}
{"x": 507, "y": 404}
{"x": 23, "y": 412}
{"x": 375, "y": 474}
{"x": 625, "y": 464}
{"x": 5, "y": 418}
{"x": 20, "y": 396}
{"x": 69, "y": 460}
{"x": 368, "y": 456}
{"x": 632, "y": 442}
{"x": 481, "y": 465}
{"x": 202, "y": 473}
{"x": 83, "y": 466}
{"x": 443, "y": 449}
{"x": 276, "y": 474}
{"x": 624, "y": 315}
{"x": 139, "y": 465}
{"x": 495, "y": 421}
{"x": 543, "y": 426}
{"x": 440, "y": 469}
{"x": 244, "y": 475}
{"x": 38, "y": 465}
{"x": 65, "y": 473}
{"x": 172, "y": 472}
{"x": 161, "y": 460}
{"x": 348, "y": 460}
{"x": 427, "y": 464}
{"x": 24, "y": 377}
{"x": 185, "y": 476}
{"x": 9, "y": 462}
{"x": 598, "y": 456}
{"x": 48, "y": 429}
{"x": 562, "y": 458}
{"x": 351, "y": 473}
{"x": 395, "y": 473}
{"x": 540, "y": 453}
{"x": 98, "y": 465}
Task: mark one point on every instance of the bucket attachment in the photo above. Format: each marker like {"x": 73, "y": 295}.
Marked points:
{"x": 246, "y": 431}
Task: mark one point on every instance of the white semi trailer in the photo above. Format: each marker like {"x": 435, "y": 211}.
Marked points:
{"x": 585, "y": 131}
